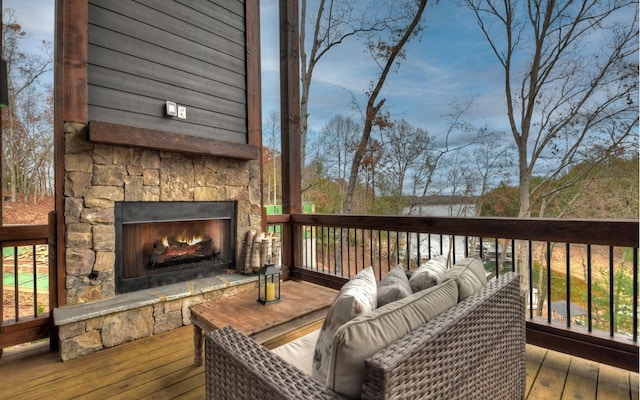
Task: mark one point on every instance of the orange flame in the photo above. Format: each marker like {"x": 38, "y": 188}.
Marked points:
{"x": 183, "y": 238}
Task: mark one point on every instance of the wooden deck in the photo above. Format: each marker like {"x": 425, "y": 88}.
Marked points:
{"x": 161, "y": 367}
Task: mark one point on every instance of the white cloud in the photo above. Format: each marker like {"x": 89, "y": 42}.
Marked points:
{"x": 35, "y": 16}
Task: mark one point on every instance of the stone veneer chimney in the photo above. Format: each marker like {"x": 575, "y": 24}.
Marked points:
{"x": 97, "y": 175}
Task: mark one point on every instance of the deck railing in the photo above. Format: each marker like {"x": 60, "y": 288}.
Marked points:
{"x": 581, "y": 276}
{"x": 25, "y": 284}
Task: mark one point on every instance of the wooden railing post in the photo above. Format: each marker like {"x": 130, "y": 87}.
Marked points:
{"x": 290, "y": 128}
{"x": 53, "y": 278}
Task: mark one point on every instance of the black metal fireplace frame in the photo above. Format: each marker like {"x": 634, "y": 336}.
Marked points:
{"x": 146, "y": 212}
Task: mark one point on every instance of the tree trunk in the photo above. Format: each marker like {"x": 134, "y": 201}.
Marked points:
{"x": 374, "y": 106}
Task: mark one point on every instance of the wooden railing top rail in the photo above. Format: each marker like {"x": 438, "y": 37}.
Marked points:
{"x": 24, "y": 232}
{"x": 596, "y": 232}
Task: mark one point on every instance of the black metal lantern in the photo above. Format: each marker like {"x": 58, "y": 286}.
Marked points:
{"x": 269, "y": 284}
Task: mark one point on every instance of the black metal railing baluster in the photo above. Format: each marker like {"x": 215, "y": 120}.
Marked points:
{"x": 418, "y": 255}
{"x": 549, "y": 281}
{"x": 373, "y": 264}
{"x": 589, "y": 290}
{"x": 453, "y": 247}
{"x": 635, "y": 294}
{"x": 611, "y": 293}
{"x": 568, "y": 282}
{"x": 348, "y": 252}
{"x": 361, "y": 251}
{"x": 316, "y": 249}
{"x": 513, "y": 255}
{"x": 325, "y": 250}
{"x": 497, "y": 257}
{"x": 16, "y": 294}
{"x": 466, "y": 246}
{"x": 530, "y": 262}
{"x": 380, "y": 253}
{"x": 355, "y": 249}
{"x": 35, "y": 281}
{"x": 398, "y": 247}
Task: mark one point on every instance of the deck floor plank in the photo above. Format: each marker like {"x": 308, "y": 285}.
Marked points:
{"x": 161, "y": 367}
{"x": 582, "y": 381}
{"x": 91, "y": 371}
{"x": 132, "y": 376}
{"x": 613, "y": 385}
{"x": 549, "y": 383}
{"x": 167, "y": 382}
{"x": 535, "y": 357}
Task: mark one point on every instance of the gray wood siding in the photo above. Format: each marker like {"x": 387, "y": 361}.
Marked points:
{"x": 146, "y": 52}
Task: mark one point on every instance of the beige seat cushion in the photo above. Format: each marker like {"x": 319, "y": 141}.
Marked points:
{"x": 299, "y": 352}
{"x": 367, "y": 334}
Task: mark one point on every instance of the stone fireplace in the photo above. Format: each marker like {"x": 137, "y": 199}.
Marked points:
{"x": 118, "y": 194}
{"x": 159, "y": 243}
{"x": 100, "y": 176}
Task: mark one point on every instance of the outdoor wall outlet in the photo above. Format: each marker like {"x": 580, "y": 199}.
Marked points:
{"x": 182, "y": 112}
{"x": 171, "y": 109}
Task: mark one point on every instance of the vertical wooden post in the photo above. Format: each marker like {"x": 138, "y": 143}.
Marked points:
{"x": 254, "y": 93}
{"x": 1, "y": 144}
{"x": 54, "y": 338}
{"x": 1, "y": 175}
{"x": 70, "y": 105}
{"x": 290, "y": 129}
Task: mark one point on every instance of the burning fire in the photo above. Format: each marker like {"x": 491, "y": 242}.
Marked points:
{"x": 183, "y": 238}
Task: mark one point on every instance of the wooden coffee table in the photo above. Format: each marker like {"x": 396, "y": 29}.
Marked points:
{"x": 301, "y": 303}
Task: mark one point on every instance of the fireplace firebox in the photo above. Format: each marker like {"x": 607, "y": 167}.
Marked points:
{"x": 159, "y": 243}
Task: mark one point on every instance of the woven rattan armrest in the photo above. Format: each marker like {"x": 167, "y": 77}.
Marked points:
{"x": 239, "y": 368}
{"x": 475, "y": 350}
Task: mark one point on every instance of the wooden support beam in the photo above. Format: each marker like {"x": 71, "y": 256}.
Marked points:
{"x": 254, "y": 93}
{"x": 73, "y": 17}
{"x": 290, "y": 128}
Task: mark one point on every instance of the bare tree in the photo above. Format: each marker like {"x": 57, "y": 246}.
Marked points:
{"x": 405, "y": 147}
{"x": 387, "y": 51}
{"x": 567, "y": 92}
{"x": 338, "y": 141}
{"x": 492, "y": 160}
{"x": 458, "y": 128}
{"x": 272, "y": 133}
{"x": 27, "y": 123}
{"x": 371, "y": 163}
{"x": 332, "y": 23}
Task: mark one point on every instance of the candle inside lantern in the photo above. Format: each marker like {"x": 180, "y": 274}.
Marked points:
{"x": 271, "y": 291}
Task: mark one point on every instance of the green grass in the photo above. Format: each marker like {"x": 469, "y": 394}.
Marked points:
{"x": 26, "y": 280}
{"x": 9, "y": 251}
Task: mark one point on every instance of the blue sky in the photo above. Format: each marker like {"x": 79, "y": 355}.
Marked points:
{"x": 435, "y": 73}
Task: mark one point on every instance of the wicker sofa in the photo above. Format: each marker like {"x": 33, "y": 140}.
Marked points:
{"x": 474, "y": 350}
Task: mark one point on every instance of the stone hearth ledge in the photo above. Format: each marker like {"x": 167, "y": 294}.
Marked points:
{"x": 146, "y": 297}
{"x": 89, "y": 327}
